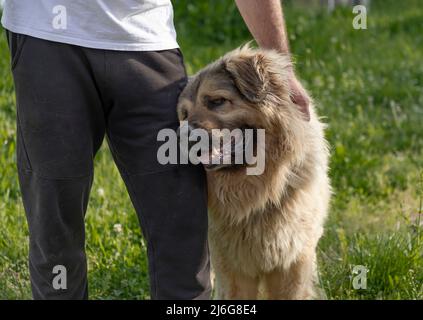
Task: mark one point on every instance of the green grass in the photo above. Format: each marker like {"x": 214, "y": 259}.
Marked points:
{"x": 367, "y": 84}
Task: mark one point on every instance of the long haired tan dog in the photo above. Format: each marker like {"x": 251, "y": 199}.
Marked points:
{"x": 263, "y": 229}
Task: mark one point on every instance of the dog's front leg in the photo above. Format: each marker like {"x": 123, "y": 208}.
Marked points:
{"x": 235, "y": 286}
{"x": 294, "y": 283}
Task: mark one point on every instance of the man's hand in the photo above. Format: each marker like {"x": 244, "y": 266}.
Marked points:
{"x": 264, "y": 19}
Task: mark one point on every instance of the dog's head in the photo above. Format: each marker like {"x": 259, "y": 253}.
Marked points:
{"x": 245, "y": 89}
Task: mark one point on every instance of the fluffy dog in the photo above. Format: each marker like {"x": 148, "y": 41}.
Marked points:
{"x": 263, "y": 229}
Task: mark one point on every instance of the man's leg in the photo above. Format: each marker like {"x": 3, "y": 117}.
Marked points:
{"x": 171, "y": 201}
{"x": 60, "y": 127}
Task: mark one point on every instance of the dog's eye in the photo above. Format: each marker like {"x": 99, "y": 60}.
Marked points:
{"x": 214, "y": 103}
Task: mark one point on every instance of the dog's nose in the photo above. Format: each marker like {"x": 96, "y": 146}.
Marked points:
{"x": 184, "y": 133}
{"x": 191, "y": 127}
{"x": 187, "y": 128}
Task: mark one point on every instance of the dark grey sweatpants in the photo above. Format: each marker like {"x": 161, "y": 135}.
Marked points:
{"x": 68, "y": 98}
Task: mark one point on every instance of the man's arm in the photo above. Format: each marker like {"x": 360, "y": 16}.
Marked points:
{"x": 264, "y": 19}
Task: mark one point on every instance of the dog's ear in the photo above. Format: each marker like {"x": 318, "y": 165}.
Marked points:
{"x": 255, "y": 73}
{"x": 300, "y": 98}
{"x": 248, "y": 73}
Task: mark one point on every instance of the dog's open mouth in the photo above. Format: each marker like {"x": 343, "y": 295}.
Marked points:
{"x": 218, "y": 148}
{"x": 226, "y": 150}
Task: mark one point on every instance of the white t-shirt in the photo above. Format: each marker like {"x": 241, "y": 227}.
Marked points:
{"x": 136, "y": 25}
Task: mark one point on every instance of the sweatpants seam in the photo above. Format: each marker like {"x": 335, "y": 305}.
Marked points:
{"x": 18, "y": 53}
{"x": 38, "y": 176}
{"x": 151, "y": 172}
{"x": 23, "y": 141}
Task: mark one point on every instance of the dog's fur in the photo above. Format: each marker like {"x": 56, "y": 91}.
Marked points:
{"x": 264, "y": 229}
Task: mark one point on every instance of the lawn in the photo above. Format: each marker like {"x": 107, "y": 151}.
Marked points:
{"x": 368, "y": 86}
